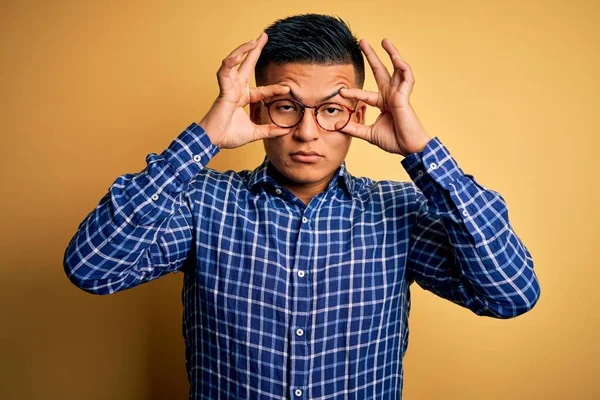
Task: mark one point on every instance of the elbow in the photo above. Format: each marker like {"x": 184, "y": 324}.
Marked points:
{"x": 519, "y": 302}
{"x": 87, "y": 285}
{"x": 72, "y": 265}
{"x": 529, "y": 299}
{"x": 521, "y": 292}
{"x": 527, "y": 290}
{"x": 520, "y": 307}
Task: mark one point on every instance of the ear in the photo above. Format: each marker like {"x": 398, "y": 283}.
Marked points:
{"x": 255, "y": 111}
{"x": 361, "y": 112}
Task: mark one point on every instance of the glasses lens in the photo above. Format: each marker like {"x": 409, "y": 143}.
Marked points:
{"x": 285, "y": 113}
{"x": 332, "y": 116}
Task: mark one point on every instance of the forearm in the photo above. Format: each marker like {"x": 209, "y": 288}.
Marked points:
{"x": 493, "y": 269}
{"x": 125, "y": 240}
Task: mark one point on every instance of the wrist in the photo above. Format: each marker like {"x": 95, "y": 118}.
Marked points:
{"x": 419, "y": 144}
{"x": 211, "y": 131}
{"x": 422, "y": 146}
{"x": 217, "y": 120}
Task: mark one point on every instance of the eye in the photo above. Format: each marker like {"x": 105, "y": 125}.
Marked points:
{"x": 331, "y": 110}
{"x": 284, "y": 106}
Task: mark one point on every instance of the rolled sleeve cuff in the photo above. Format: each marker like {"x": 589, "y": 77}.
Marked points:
{"x": 434, "y": 165}
{"x": 190, "y": 152}
{"x": 151, "y": 195}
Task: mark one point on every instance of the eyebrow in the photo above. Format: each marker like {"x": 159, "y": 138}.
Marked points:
{"x": 332, "y": 95}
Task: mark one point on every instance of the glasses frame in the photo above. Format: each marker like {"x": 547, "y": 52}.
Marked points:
{"x": 315, "y": 113}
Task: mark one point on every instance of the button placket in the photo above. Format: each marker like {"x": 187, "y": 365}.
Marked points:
{"x": 299, "y": 347}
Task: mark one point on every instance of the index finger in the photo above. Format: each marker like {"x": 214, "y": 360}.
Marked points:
{"x": 382, "y": 76}
{"x": 248, "y": 65}
{"x": 235, "y": 57}
{"x": 242, "y": 49}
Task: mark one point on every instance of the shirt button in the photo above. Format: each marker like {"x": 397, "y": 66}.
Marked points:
{"x": 154, "y": 197}
{"x": 301, "y": 274}
{"x": 298, "y": 392}
{"x": 299, "y": 332}
{"x": 420, "y": 173}
{"x": 197, "y": 158}
{"x": 465, "y": 213}
{"x": 278, "y": 191}
{"x": 304, "y": 219}
{"x": 433, "y": 165}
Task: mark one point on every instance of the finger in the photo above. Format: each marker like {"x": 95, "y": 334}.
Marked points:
{"x": 243, "y": 48}
{"x": 397, "y": 62}
{"x": 357, "y": 130}
{"x": 382, "y": 76}
{"x": 247, "y": 66}
{"x": 402, "y": 71}
{"x": 268, "y": 131}
{"x": 373, "y": 99}
{"x": 264, "y": 92}
{"x": 409, "y": 79}
{"x": 391, "y": 49}
{"x": 227, "y": 65}
{"x": 235, "y": 57}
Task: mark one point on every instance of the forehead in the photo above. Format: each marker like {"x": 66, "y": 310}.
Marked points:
{"x": 311, "y": 80}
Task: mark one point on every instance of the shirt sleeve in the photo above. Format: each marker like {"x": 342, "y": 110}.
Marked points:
{"x": 142, "y": 228}
{"x": 462, "y": 246}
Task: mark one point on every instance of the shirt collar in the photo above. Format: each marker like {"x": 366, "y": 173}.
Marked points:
{"x": 261, "y": 175}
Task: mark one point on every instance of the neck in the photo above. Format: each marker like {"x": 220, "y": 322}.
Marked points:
{"x": 305, "y": 191}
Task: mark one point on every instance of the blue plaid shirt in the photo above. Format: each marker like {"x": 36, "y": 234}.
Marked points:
{"x": 288, "y": 301}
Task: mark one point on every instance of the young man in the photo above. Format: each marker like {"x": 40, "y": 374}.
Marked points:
{"x": 297, "y": 274}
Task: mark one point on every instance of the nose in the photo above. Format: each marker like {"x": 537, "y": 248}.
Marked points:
{"x": 307, "y": 129}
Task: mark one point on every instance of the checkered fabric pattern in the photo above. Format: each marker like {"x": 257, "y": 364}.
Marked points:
{"x": 287, "y": 301}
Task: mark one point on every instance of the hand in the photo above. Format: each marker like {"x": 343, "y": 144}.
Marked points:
{"x": 397, "y": 129}
{"x": 226, "y": 123}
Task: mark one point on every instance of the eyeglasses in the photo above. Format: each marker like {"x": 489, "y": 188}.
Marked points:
{"x": 287, "y": 113}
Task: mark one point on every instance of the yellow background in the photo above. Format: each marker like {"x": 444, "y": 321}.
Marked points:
{"x": 88, "y": 89}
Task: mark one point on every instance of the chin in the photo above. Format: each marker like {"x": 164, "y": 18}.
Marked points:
{"x": 304, "y": 175}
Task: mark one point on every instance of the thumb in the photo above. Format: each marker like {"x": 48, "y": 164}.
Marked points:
{"x": 268, "y": 131}
{"x": 358, "y": 130}
{"x": 264, "y": 92}
{"x": 373, "y": 99}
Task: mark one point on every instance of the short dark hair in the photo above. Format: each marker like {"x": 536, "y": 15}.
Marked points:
{"x": 311, "y": 39}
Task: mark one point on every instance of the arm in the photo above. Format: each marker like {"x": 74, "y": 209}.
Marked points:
{"x": 141, "y": 229}
{"x": 463, "y": 247}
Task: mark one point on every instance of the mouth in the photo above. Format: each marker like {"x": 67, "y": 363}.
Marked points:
{"x": 308, "y": 157}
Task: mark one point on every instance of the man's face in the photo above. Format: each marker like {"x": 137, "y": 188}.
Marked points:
{"x": 311, "y": 85}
